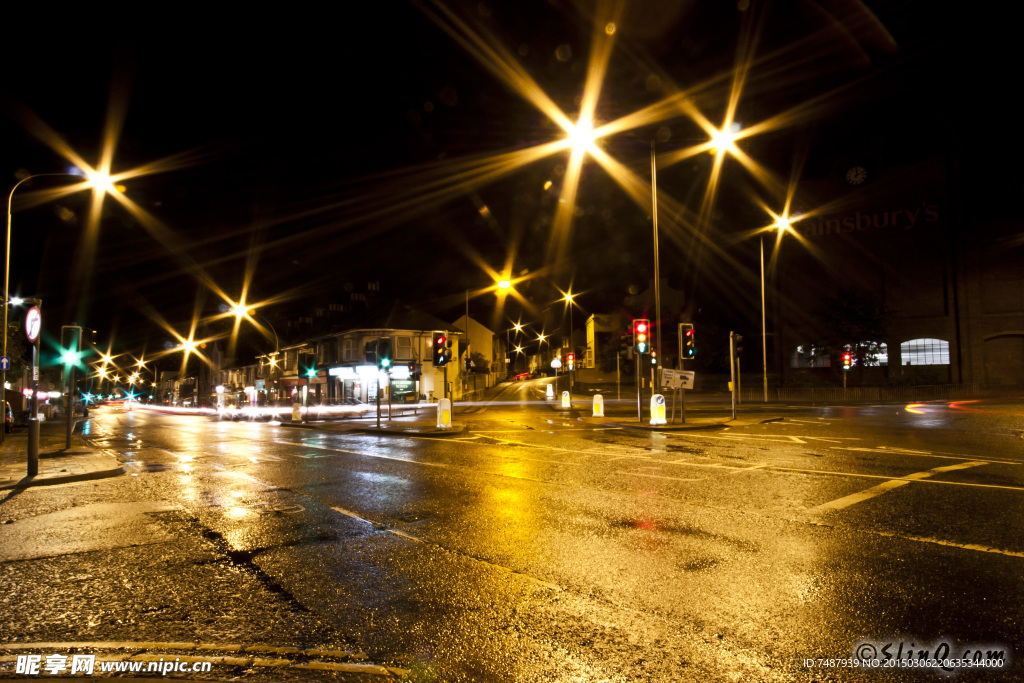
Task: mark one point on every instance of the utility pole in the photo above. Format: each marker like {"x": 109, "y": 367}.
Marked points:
{"x": 732, "y": 371}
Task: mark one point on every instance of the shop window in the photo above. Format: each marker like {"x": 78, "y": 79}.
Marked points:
{"x": 925, "y": 352}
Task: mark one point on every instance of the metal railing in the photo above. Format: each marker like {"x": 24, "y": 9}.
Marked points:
{"x": 865, "y": 394}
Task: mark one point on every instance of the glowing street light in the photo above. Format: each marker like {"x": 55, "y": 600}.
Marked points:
{"x": 783, "y": 224}
{"x": 98, "y": 183}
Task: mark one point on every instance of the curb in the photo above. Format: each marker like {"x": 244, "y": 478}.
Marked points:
{"x": 434, "y": 433}
{"x": 666, "y": 428}
{"x": 68, "y": 479}
{"x": 729, "y": 422}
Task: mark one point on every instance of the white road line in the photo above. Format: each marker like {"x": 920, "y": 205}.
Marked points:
{"x": 882, "y": 450}
{"x": 951, "y": 544}
{"x": 854, "y": 498}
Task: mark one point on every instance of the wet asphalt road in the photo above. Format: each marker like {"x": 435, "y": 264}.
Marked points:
{"x": 542, "y": 548}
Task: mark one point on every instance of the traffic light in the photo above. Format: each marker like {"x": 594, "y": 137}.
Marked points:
{"x": 654, "y": 357}
{"x": 847, "y": 360}
{"x": 440, "y": 349}
{"x": 738, "y": 342}
{"x": 641, "y": 335}
{"x": 570, "y": 360}
{"x": 311, "y": 370}
{"x": 689, "y": 340}
{"x": 384, "y": 353}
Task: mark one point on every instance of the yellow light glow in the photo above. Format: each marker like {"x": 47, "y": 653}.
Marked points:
{"x": 504, "y": 284}
{"x": 724, "y": 140}
{"x": 100, "y": 180}
{"x": 582, "y": 135}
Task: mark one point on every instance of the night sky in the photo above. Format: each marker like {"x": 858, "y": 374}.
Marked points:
{"x": 315, "y": 149}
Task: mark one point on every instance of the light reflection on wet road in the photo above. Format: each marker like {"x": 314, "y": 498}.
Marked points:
{"x": 541, "y": 548}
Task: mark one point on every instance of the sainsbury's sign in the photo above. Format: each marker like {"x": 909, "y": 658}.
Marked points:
{"x": 869, "y": 221}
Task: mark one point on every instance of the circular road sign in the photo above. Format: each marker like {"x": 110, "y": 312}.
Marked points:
{"x": 33, "y": 322}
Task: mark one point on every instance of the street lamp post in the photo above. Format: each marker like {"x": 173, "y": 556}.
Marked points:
{"x": 7, "y": 276}
{"x": 568, "y": 297}
{"x": 95, "y": 180}
{"x": 764, "y": 328}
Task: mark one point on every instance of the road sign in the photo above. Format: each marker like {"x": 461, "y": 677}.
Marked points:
{"x": 677, "y": 379}
{"x": 33, "y": 322}
{"x": 5, "y": 362}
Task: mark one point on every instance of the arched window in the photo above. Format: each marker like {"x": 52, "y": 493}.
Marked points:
{"x": 925, "y": 352}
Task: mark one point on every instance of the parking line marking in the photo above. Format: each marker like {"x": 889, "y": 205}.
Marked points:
{"x": 867, "y": 494}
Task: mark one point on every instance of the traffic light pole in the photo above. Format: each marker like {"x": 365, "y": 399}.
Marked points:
{"x": 71, "y": 383}
{"x": 732, "y": 372}
{"x": 33, "y": 418}
{"x": 639, "y": 391}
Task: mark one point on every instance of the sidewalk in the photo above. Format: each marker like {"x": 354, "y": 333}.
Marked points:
{"x": 57, "y": 465}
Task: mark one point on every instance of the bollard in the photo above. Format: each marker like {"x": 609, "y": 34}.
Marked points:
{"x": 551, "y": 392}
{"x": 658, "y": 409}
{"x": 566, "y": 401}
{"x": 444, "y": 413}
{"x": 598, "y": 405}
{"x": 296, "y": 412}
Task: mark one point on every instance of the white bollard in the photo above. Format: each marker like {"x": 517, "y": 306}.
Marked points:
{"x": 658, "y": 410}
{"x": 598, "y": 405}
{"x": 296, "y": 412}
{"x": 444, "y": 413}
{"x": 566, "y": 401}
{"x": 551, "y": 392}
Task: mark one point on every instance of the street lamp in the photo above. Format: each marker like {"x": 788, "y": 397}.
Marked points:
{"x": 518, "y": 327}
{"x": 95, "y": 181}
{"x": 568, "y": 298}
{"x": 273, "y": 362}
{"x": 782, "y": 224}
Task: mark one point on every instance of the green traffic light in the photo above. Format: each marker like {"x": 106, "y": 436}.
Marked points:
{"x": 385, "y": 362}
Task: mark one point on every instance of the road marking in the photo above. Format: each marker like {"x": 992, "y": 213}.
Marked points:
{"x": 657, "y": 476}
{"x": 854, "y": 498}
{"x": 946, "y": 456}
{"x": 964, "y": 546}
